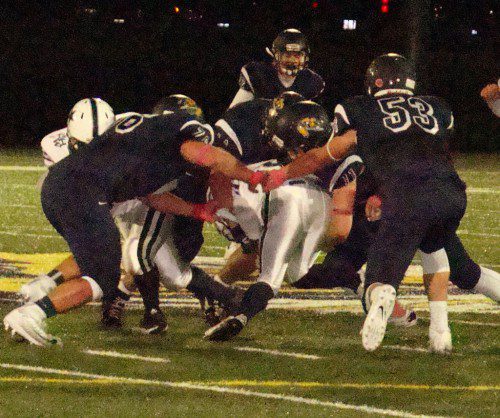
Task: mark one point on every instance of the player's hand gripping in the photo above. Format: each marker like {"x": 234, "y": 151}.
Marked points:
{"x": 205, "y": 211}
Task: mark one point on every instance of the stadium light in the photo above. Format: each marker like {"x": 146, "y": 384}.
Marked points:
{"x": 176, "y": 9}
{"x": 473, "y": 32}
{"x": 223, "y": 25}
{"x": 119, "y": 21}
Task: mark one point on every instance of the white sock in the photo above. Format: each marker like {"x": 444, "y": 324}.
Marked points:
{"x": 35, "y": 310}
{"x": 489, "y": 284}
{"x": 439, "y": 315}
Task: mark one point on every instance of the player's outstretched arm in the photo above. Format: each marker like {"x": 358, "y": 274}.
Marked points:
{"x": 313, "y": 160}
{"x": 219, "y": 161}
{"x": 169, "y": 203}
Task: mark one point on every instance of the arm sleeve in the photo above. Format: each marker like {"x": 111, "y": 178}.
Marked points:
{"x": 341, "y": 121}
{"x": 195, "y": 131}
{"x": 346, "y": 172}
{"x": 227, "y": 139}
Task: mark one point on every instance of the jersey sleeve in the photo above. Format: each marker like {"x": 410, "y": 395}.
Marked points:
{"x": 342, "y": 119}
{"x": 245, "y": 81}
{"x": 226, "y": 138}
{"x": 346, "y": 172}
{"x": 55, "y": 147}
{"x": 196, "y": 131}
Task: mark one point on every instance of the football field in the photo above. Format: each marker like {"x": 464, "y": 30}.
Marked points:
{"x": 302, "y": 357}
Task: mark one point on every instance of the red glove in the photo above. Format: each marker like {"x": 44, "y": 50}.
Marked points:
{"x": 275, "y": 178}
{"x": 256, "y": 178}
{"x": 205, "y": 211}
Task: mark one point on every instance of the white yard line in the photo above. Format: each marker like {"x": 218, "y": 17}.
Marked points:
{"x": 127, "y": 356}
{"x": 406, "y": 348}
{"x": 216, "y": 389}
{"x": 278, "y": 353}
{"x": 22, "y": 168}
{"x": 486, "y": 324}
{"x": 29, "y": 235}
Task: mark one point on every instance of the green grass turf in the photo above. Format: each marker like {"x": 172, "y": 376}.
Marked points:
{"x": 334, "y": 337}
{"x": 24, "y": 228}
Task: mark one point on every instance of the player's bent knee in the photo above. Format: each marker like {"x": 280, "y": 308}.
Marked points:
{"x": 179, "y": 281}
{"x": 436, "y": 262}
{"x": 97, "y": 292}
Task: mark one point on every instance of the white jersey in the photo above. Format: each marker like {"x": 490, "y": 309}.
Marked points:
{"x": 55, "y": 145}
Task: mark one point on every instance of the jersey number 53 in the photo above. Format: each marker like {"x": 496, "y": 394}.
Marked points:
{"x": 402, "y": 112}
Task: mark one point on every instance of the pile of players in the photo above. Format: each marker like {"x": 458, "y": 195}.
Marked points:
{"x": 375, "y": 185}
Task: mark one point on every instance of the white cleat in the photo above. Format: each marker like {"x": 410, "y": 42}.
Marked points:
{"x": 382, "y": 300}
{"x": 37, "y": 289}
{"x": 440, "y": 342}
{"x": 28, "y": 322}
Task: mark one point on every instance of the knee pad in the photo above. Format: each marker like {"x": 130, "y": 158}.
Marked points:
{"x": 97, "y": 292}
{"x": 436, "y": 262}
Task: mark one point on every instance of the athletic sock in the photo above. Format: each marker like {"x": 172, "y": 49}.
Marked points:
{"x": 57, "y": 276}
{"x": 256, "y": 299}
{"x": 149, "y": 287}
{"x": 46, "y": 305}
{"x": 203, "y": 285}
{"x": 439, "y": 315}
{"x": 489, "y": 284}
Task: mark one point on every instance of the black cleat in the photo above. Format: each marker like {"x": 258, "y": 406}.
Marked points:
{"x": 112, "y": 313}
{"x": 227, "y": 329}
{"x": 153, "y": 322}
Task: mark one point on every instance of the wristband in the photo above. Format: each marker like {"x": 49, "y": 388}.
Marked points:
{"x": 256, "y": 178}
{"x": 275, "y": 178}
{"x": 202, "y": 212}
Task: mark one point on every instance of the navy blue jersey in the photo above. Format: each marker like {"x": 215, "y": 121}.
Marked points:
{"x": 240, "y": 132}
{"x": 135, "y": 157}
{"x": 401, "y": 138}
{"x": 261, "y": 78}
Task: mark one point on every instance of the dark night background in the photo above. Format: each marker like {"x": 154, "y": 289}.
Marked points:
{"x": 54, "y": 53}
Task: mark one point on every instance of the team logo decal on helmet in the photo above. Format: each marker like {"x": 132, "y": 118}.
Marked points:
{"x": 307, "y": 125}
{"x": 176, "y": 102}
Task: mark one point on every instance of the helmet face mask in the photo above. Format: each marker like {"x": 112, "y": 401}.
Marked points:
{"x": 390, "y": 73}
{"x": 290, "y": 51}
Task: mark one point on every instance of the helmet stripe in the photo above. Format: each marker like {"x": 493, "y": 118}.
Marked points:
{"x": 93, "y": 105}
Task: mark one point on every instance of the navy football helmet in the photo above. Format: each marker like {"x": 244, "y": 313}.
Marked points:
{"x": 176, "y": 102}
{"x": 299, "y": 127}
{"x": 290, "y": 51}
{"x": 390, "y": 72}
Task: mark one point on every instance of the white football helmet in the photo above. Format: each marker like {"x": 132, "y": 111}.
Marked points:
{"x": 88, "y": 119}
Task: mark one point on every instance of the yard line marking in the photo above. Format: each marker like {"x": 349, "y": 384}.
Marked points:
{"x": 217, "y": 389}
{"x": 278, "y": 353}
{"x": 29, "y": 235}
{"x": 124, "y": 355}
{"x": 403, "y": 386}
{"x": 476, "y": 234}
{"x": 487, "y": 324}
{"x": 22, "y": 168}
{"x": 406, "y": 348}
{"x": 268, "y": 383}
{"x": 482, "y": 190}
{"x": 416, "y": 349}
{"x": 18, "y": 205}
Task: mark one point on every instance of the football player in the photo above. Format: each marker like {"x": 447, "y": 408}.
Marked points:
{"x": 292, "y": 220}
{"x": 245, "y": 130}
{"x": 401, "y": 138}
{"x": 341, "y": 266}
{"x": 132, "y": 159}
{"x": 287, "y": 71}
{"x": 491, "y": 95}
